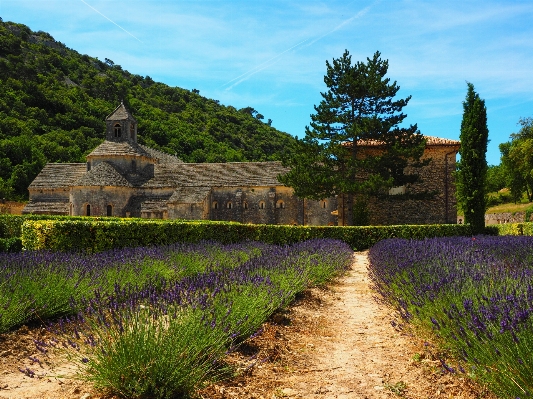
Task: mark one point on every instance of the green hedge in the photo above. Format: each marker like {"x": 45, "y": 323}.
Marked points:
{"x": 13, "y": 244}
{"x": 99, "y": 235}
{"x": 512, "y": 229}
{"x": 11, "y": 225}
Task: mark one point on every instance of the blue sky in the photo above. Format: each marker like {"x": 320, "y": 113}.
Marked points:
{"x": 271, "y": 55}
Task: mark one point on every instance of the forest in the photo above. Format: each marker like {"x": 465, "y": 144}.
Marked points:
{"x": 53, "y": 103}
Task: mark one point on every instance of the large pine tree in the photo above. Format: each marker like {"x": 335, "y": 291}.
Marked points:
{"x": 472, "y": 168}
{"x": 358, "y": 107}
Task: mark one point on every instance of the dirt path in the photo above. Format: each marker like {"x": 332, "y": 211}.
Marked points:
{"x": 340, "y": 343}
{"x": 333, "y": 343}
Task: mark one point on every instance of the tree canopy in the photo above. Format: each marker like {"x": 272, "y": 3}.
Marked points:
{"x": 359, "y": 107}
{"x": 472, "y": 168}
{"x": 517, "y": 160}
{"x": 53, "y": 102}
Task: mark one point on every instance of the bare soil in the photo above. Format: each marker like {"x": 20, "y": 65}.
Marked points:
{"x": 335, "y": 342}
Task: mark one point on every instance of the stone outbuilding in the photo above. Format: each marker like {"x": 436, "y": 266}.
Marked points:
{"x": 125, "y": 179}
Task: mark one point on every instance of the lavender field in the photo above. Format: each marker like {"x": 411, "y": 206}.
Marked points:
{"x": 476, "y": 296}
{"x": 158, "y": 322}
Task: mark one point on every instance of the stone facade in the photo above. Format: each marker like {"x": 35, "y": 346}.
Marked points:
{"x": 436, "y": 179}
{"x": 123, "y": 178}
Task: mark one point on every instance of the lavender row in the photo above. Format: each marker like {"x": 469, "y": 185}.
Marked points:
{"x": 37, "y": 285}
{"x": 475, "y": 293}
{"x": 170, "y": 337}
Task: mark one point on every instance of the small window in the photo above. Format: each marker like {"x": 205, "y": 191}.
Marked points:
{"x": 262, "y": 205}
{"x": 133, "y": 166}
{"x": 88, "y": 210}
{"x": 229, "y": 205}
{"x": 280, "y": 204}
{"x": 214, "y": 205}
{"x": 324, "y": 204}
{"x": 245, "y": 205}
{"x": 110, "y": 210}
{"x": 132, "y": 131}
{"x": 118, "y": 130}
{"x": 88, "y": 166}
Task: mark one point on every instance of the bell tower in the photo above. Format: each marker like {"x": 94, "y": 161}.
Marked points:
{"x": 121, "y": 125}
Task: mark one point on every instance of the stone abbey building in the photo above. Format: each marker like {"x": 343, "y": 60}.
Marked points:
{"x": 125, "y": 179}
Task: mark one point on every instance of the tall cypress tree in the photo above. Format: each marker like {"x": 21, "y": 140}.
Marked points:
{"x": 472, "y": 168}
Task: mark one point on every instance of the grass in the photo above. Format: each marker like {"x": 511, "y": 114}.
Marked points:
{"x": 509, "y": 208}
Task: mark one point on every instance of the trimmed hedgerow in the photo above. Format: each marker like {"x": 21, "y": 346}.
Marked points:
{"x": 11, "y": 225}
{"x": 100, "y": 235}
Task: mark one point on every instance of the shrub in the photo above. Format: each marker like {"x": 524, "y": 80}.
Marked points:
{"x": 99, "y": 235}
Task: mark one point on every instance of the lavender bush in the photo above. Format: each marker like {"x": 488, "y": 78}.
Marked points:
{"x": 37, "y": 285}
{"x": 473, "y": 293}
{"x": 170, "y": 337}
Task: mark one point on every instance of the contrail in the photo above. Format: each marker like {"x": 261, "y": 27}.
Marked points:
{"x": 358, "y": 15}
{"x": 113, "y": 22}
{"x": 259, "y": 68}
{"x": 266, "y": 64}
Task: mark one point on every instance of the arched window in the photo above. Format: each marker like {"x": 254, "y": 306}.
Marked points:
{"x": 132, "y": 131}
{"x": 117, "y": 129}
{"x": 88, "y": 210}
{"x": 110, "y": 210}
{"x": 133, "y": 166}
{"x": 229, "y": 205}
{"x": 261, "y": 204}
{"x": 323, "y": 204}
{"x": 280, "y": 204}
{"x": 245, "y": 205}
{"x": 214, "y": 205}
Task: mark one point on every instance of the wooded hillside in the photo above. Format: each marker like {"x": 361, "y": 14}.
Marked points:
{"x": 53, "y": 102}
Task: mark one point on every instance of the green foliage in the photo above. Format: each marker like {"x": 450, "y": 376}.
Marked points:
{"x": 496, "y": 179}
{"x": 86, "y": 235}
{"x": 53, "y": 102}
{"x": 359, "y": 106}
{"x": 517, "y": 160}
{"x": 13, "y": 244}
{"x": 472, "y": 168}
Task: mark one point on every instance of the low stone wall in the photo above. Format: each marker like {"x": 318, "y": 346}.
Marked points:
{"x": 500, "y": 218}
{"x": 506, "y": 217}
{"x": 11, "y": 207}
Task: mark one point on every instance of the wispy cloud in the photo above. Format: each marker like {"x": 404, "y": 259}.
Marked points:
{"x": 110, "y": 20}
{"x": 304, "y": 43}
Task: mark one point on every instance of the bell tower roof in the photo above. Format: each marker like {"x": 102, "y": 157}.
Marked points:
{"x": 120, "y": 114}
{"x": 121, "y": 125}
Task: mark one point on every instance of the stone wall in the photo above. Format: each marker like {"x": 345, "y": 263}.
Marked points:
{"x": 435, "y": 178}
{"x": 269, "y": 205}
{"x": 499, "y": 218}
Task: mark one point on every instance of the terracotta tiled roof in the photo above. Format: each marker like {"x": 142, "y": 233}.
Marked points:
{"x": 229, "y": 174}
{"x": 189, "y": 195}
{"x": 58, "y": 175}
{"x": 120, "y": 113}
{"x": 430, "y": 141}
{"x": 45, "y": 207}
{"x": 120, "y": 148}
{"x": 102, "y": 174}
